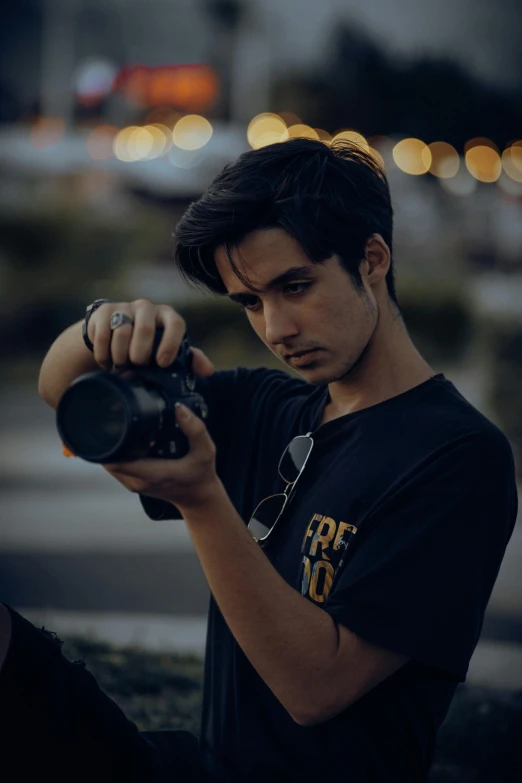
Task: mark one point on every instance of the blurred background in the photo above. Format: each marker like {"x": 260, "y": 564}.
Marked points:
{"x": 114, "y": 116}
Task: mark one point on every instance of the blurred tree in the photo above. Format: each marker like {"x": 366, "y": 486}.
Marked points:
{"x": 362, "y": 88}
{"x": 54, "y": 261}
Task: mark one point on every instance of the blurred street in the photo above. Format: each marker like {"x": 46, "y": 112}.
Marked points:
{"x": 78, "y": 553}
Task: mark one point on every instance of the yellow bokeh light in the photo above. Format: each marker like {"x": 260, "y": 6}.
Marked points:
{"x": 167, "y": 135}
{"x": 289, "y": 118}
{"x": 266, "y": 128}
{"x": 121, "y": 144}
{"x": 445, "y": 159}
{"x": 140, "y": 144}
{"x": 100, "y": 142}
{"x": 512, "y": 161}
{"x": 376, "y": 155}
{"x": 480, "y": 141}
{"x": 299, "y": 132}
{"x": 483, "y": 163}
{"x": 323, "y": 135}
{"x": 159, "y": 141}
{"x": 192, "y": 132}
{"x": 412, "y": 156}
{"x": 353, "y": 136}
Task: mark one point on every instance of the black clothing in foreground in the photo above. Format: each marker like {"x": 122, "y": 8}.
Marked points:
{"x": 417, "y": 496}
{"x": 56, "y": 724}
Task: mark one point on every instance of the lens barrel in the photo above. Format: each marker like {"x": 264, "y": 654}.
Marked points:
{"x": 106, "y": 417}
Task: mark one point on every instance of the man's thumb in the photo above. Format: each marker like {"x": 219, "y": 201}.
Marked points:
{"x": 201, "y": 364}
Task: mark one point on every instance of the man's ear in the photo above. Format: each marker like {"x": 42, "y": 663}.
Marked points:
{"x": 377, "y": 256}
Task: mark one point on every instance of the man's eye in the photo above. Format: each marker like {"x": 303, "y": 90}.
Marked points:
{"x": 301, "y": 288}
{"x": 250, "y": 303}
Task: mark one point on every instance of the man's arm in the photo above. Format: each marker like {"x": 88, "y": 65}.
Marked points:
{"x": 315, "y": 667}
{"x": 68, "y": 357}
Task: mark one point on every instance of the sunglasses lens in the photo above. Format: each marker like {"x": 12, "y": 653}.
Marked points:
{"x": 265, "y": 515}
{"x": 295, "y": 457}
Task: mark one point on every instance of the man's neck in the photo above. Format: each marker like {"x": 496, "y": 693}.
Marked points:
{"x": 391, "y": 367}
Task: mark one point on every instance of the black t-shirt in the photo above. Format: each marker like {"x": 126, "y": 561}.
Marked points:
{"x": 417, "y": 497}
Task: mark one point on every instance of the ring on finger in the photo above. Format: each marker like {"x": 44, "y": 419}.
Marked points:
{"x": 119, "y": 319}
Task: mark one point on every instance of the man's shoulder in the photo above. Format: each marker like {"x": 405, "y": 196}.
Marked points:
{"x": 453, "y": 418}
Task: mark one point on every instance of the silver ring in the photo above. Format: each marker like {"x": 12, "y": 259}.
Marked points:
{"x": 118, "y": 319}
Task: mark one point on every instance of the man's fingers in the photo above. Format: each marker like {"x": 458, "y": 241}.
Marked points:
{"x": 174, "y": 328}
{"x": 195, "y": 430}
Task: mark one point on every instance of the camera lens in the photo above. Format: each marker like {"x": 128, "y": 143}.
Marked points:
{"x": 94, "y": 419}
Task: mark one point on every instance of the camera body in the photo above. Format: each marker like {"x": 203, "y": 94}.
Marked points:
{"x": 129, "y": 413}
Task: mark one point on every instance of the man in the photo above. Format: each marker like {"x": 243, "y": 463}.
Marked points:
{"x": 345, "y": 608}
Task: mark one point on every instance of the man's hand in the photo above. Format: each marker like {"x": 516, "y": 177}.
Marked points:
{"x": 189, "y": 482}
{"x": 133, "y": 342}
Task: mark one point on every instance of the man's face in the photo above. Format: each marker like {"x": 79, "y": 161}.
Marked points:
{"x": 314, "y": 307}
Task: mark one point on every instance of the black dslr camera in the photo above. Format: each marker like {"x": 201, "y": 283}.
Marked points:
{"x": 128, "y": 413}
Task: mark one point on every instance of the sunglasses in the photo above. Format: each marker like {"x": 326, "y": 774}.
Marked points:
{"x": 291, "y": 465}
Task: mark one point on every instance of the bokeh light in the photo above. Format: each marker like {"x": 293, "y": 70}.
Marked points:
{"x": 352, "y": 136}
{"x": 94, "y": 80}
{"x": 512, "y": 161}
{"x": 445, "y": 159}
{"x": 168, "y": 137}
{"x": 266, "y": 128}
{"x": 412, "y": 156}
{"x": 100, "y": 142}
{"x": 323, "y": 135}
{"x": 140, "y": 144}
{"x": 299, "y": 131}
{"x": 121, "y": 144}
{"x": 480, "y": 141}
{"x": 461, "y": 184}
{"x": 192, "y": 132}
{"x": 376, "y": 155}
{"x": 159, "y": 141}
{"x": 47, "y": 132}
{"x": 289, "y": 118}
{"x": 483, "y": 163}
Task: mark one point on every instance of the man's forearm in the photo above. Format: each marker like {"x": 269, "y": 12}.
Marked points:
{"x": 289, "y": 641}
{"x": 67, "y": 359}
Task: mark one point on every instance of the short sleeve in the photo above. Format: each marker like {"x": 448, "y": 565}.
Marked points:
{"x": 422, "y": 571}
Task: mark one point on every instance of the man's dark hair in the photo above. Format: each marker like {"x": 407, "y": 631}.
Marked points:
{"x": 330, "y": 198}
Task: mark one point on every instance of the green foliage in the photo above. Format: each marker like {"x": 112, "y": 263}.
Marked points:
{"x": 477, "y": 743}
{"x": 439, "y": 317}
{"x": 54, "y": 259}
{"x": 158, "y": 691}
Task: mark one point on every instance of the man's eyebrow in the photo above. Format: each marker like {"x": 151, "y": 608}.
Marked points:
{"x": 294, "y": 273}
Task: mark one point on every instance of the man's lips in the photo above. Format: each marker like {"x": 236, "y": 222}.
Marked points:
{"x": 301, "y": 357}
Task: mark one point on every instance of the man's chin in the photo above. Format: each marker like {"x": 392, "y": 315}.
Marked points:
{"x": 316, "y": 376}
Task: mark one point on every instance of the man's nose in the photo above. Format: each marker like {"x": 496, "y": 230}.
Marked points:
{"x": 279, "y": 325}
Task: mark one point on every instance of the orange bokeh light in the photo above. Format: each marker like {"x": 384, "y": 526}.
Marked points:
{"x": 445, "y": 159}
{"x": 47, "y": 132}
{"x": 483, "y": 162}
{"x": 512, "y": 161}
{"x": 480, "y": 141}
{"x": 186, "y": 87}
